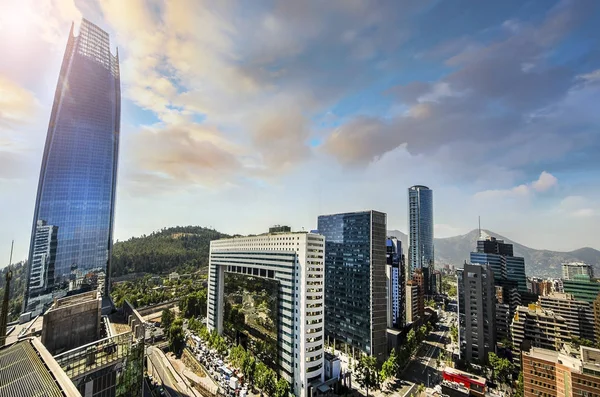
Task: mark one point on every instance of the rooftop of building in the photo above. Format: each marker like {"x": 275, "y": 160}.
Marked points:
{"x": 29, "y": 328}
{"x": 353, "y": 213}
{"x": 28, "y": 369}
{"x": 267, "y": 234}
{"x": 77, "y": 299}
{"x": 578, "y": 264}
{"x": 587, "y": 360}
{"x": 534, "y": 309}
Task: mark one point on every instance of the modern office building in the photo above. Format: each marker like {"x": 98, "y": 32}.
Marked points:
{"x": 538, "y": 328}
{"x": 396, "y": 283}
{"x": 435, "y": 279}
{"x": 295, "y": 262}
{"x": 77, "y": 184}
{"x": 420, "y": 231}
{"x": 582, "y": 287}
{"x": 355, "y": 281}
{"x": 570, "y": 270}
{"x": 561, "y": 373}
{"x": 579, "y": 315}
{"x": 28, "y": 369}
{"x": 499, "y": 255}
{"x": 479, "y": 302}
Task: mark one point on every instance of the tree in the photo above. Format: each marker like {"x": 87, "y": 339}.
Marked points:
{"x": 577, "y": 342}
{"x": 421, "y": 388}
{"x": 270, "y": 383}
{"x": 248, "y": 366}
{"x": 390, "y": 367}
{"x": 282, "y": 388}
{"x": 236, "y": 356}
{"x": 176, "y": 336}
{"x": 519, "y": 392}
{"x": 166, "y": 320}
{"x": 366, "y": 373}
{"x": 454, "y": 333}
{"x": 501, "y": 366}
{"x": 260, "y": 374}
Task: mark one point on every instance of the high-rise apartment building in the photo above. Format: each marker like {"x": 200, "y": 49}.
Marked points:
{"x": 420, "y": 231}
{"x": 539, "y": 328}
{"x": 478, "y": 300}
{"x": 295, "y": 262}
{"x": 41, "y": 270}
{"x": 570, "y": 270}
{"x": 355, "y": 280}
{"x": 76, "y": 190}
{"x": 579, "y": 315}
{"x": 419, "y": 280}
{"x": 596, "y": 308}
{"x": 395, "y": 273}
{"x": 541, "y": 287}
{"x": 412, "y": 301}
{"x": 560, "y": 373}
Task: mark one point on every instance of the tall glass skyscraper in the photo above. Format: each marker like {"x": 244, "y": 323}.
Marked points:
{"x": 355, "y": 280}
{"x": 76, "y": 190}
{"x": 420, "y": 230}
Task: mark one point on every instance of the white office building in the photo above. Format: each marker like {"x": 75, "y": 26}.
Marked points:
{"x": 295, "y": 261}
{"x": 570, "y": 270}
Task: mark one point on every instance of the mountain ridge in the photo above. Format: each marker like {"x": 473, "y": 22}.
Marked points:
{"x": 541, "y": 263}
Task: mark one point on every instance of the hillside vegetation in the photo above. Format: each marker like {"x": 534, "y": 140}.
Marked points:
{"x": 181, "y": 248}
{"x": 542, "y": 263}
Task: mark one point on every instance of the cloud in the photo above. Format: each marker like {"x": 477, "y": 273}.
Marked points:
{"x": 359, "y": 141}
{"x": 578, "y": 207}
{"x": 176, "y": 156}
{"x": 545, "y": 182}
{"x": 17, "y": 105}
{"x": 488, "y": 97}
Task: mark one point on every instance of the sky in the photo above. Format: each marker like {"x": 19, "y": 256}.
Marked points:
{"x": 238, "y": 115}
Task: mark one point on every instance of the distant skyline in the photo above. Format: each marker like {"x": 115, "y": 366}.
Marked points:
{"x": 241, "y": 115}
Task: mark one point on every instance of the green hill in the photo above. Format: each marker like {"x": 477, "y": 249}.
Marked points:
{"x": 181, "y": 248}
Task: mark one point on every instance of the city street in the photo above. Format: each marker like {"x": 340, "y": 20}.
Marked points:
{"x": 422, "y": 368}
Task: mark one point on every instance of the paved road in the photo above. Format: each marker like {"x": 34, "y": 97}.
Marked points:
{"x": 162, "y": 371}
{"x": 422, "y": 368}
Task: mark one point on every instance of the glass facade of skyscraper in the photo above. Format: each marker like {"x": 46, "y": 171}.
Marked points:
{"x": 420, "y": 231}
{"x": 76, "y": 191}
{"x": 355, "y": 279}
{"x": 499, "y": 255}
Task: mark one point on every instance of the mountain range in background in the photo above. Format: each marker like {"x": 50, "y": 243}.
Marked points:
{"x": 539, "y": 263}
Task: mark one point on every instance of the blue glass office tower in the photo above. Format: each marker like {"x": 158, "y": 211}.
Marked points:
{"x": 76, "y": 190}
{"x": 499, "y": 255}
{"x": 355, "y": 280}
{"x": 420, "y": 231}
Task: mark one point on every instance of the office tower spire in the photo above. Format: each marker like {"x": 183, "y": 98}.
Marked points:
{"x": 76, "y": 190}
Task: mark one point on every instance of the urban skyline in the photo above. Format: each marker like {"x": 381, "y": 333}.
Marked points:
{"x": 167, "y": 115}
{"x": 232, "y": 102}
